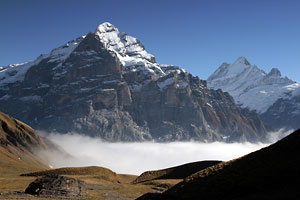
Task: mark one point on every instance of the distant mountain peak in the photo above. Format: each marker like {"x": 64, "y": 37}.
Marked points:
{"x": 130, "y": 51}
{"x": 106, "y": 27}
{"x": 247, "y": 83}
{"x": 242, "y": 60}
{"x": 231, "y": 70}
{"x": 275, "y": 72}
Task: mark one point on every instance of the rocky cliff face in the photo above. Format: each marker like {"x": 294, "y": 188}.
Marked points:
{"x": 105, "y": 84}
{"x": 284, "y": 113}
{"x": 274, "y": 97}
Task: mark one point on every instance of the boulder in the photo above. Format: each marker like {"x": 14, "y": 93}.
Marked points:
{"x": 56, "y": 186}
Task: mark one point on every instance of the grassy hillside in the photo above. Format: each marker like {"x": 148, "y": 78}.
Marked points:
{"x": 18, "y": 142}
{"x": 102, "y": 183}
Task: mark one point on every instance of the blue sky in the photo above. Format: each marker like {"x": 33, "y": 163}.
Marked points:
{"x": 198, "y": 35}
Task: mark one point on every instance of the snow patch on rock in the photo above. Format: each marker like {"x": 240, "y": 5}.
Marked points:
{"x": 165, "y": 83}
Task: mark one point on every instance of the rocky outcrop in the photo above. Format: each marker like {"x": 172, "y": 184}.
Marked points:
{"x": 105, "y": 84}
{"x": 56, "y": 186}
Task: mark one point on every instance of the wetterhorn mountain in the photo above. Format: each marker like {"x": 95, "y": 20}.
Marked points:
{"x": 105, "y": 84}
{"x": 275, "y": 98}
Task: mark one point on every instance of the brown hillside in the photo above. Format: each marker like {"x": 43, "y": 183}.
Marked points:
{"x": 16, "y": 133}
{"x": 270, "y": 173}
{"x": 178, "y": 172}
{"x": 18, "y": 142}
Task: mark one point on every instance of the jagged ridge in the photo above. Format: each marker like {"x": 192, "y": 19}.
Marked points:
{"x": 276, "y": 98}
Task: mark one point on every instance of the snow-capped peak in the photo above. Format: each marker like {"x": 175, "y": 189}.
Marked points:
{"x": 241, "y": 61}
{"x": 130, "y": 51}
{"x": 247, "y": 83}
{"x": 239, "y": 67}
{"x": 121, "y": 43}
{"x": 106, "y": 27}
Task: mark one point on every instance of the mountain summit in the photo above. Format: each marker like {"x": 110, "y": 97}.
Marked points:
{"x": 105, "y": 84}
{"x": 257, "y": 90}
{"x": 246, "y": 83}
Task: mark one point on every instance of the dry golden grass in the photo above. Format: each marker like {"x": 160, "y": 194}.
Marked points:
{"x": 101, "y": 183}
{"x": 10, "y": 168}
{"x": 10, "y": 185}
{"x": 92, "y": 170}
{"x": 14, "y": 162}
{"x": 15, "y": 132}
{"x": 17, "y": 141}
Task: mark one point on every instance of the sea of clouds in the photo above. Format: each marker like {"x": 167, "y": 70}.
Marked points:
{"x": 135, "y": 158}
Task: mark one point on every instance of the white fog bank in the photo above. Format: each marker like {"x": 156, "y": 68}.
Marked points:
{"x": 135, "y": 158}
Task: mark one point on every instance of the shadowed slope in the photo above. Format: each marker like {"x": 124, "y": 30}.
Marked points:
{"x": 178, "y": 172}
{"x": 269, "y": 173}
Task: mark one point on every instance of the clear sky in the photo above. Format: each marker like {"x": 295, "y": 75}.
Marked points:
{"x": 198, "y": 35}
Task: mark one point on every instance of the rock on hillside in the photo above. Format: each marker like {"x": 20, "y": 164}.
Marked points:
{"x": 56, "y": 186}
{"x": 105, "y": 84}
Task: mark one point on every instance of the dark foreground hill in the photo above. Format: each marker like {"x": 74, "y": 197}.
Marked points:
{"x": 178, "y": 172}
{"x": 270, "y": 173}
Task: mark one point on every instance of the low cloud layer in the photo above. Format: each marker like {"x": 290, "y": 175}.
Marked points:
{"x": 277, "y": 135}
{"x": 135, "y": 158}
